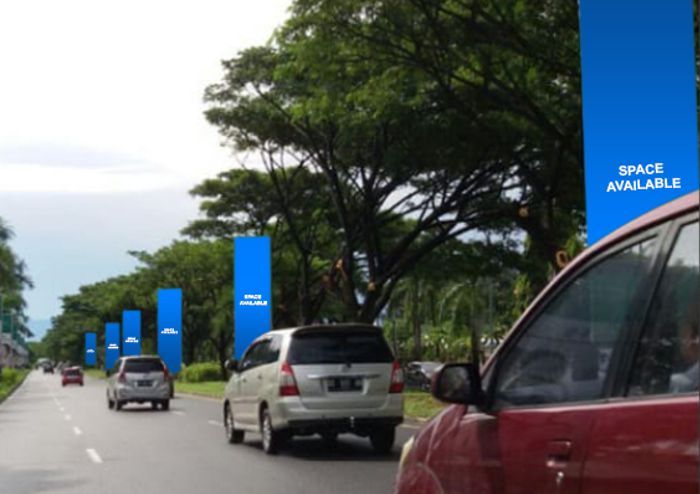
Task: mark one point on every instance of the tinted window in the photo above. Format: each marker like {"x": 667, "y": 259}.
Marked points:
{"x": 273, "y": 350}
{"x": 73, "y": 372}
{"x": 255, "y": 355}
{"x": 339, "y": 347}
{"x": 563, "y": 355}
{"x": 667, "y": 361}
{"x": 143, "y": 365}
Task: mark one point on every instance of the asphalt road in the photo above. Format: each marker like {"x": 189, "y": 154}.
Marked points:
{"x": 65, "y": 440}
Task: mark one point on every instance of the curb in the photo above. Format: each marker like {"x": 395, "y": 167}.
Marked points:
{"x": 14, "y": 388}
{"x": 414, "y": 422}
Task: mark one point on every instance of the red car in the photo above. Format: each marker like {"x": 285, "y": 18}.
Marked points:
{"x": 72, "y": 375}
{"x": 594, "y": 390}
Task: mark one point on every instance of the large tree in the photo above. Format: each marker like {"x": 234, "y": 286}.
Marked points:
{"x": 402, "y": 175}
{"x": 511, "y": 66}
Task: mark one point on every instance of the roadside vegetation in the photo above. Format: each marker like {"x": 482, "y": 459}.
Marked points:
{"x": 417, "y": 404}
{"x": 14, "y": 279}
{"x": 9, "y": 380}
{"x": 411, "y": 173}
{"x": 95, "y": 373}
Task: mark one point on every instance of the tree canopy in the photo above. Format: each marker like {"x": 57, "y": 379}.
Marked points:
{"x": 400, "y": 151}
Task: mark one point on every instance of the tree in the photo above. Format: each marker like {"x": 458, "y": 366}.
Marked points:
{"x": 402, "y": 175}
{"x": 286, "y": 206}
{"x": 461, "y": 293}
{"x": 202, "y": 270}
{"x": 508, "y": 66}
{"x": 13, "y": 281}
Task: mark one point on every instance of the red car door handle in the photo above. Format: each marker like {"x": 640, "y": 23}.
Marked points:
{"x": 558, "y": 452}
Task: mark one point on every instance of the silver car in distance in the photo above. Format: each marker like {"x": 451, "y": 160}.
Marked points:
{"x": 321, "y": 379}
{"x": 138, "y": 379}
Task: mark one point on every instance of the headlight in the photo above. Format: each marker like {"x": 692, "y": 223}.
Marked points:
{"x": 405, "y": 451}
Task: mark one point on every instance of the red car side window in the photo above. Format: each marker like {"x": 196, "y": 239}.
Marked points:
{"x": 563, "y": 354}
{"x": 667, "y": 360}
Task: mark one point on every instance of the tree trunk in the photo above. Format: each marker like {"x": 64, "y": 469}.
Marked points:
{"x": 417, "y": 329}
{"x": 476, "y": 345}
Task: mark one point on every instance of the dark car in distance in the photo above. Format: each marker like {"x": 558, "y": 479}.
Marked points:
{"x": 419, "y": 374}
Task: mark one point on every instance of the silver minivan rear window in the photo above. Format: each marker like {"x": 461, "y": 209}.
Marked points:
{"x": 338, "y": 347}
{"x": 143, "y": 365}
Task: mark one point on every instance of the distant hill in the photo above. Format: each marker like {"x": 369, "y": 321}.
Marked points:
{"x": 39, "y": 328}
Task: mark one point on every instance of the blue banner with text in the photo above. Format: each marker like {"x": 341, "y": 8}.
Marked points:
{"x": 639, "y": 108}
{"x": 170, "y": 327}
{"x": 112, "y": 352}
{"x": 131, "y": 332}
{"x": 252, "y": 283}
{"x": 90, "y": 349}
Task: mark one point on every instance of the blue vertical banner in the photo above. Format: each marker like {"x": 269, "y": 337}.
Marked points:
{"x": 170, "y": 327}
{"x": 639, "y": 108}
{"x": 90, "y": 349}
{"x": 131, "y": 332}
{"x": 112, "y": 350}
{"x": 252, "y": 290}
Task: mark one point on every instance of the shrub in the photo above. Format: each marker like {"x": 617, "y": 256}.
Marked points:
{"x": 200, "y": 372}
{"x": 10, "y": 376}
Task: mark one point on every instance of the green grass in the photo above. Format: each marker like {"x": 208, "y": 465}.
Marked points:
{"x": 95, "y": 373}
{"x": 213, "y": 389}
{"x": 9, "y": 379}
{"x": 420, "y": 405}
{"x": 417, "y": 404}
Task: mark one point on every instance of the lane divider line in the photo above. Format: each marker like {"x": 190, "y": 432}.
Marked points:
{"x": 93, "y": 455}
{"x": 215, "y": 423}
{"x": 178, "y": 412}
{"x": 67, "y": 417}
{"x": 77, "y": 431}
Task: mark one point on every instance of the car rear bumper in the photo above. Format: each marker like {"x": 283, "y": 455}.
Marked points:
{"x": 290, "y": 413}
{"x": 360, "y": 426}
{"x": 128, "y": 393}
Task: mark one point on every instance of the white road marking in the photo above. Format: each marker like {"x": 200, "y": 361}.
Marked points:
{"x": 77, "y": 431}
{"x": 66, "y": 416}
{"x": 61, "y": 409}
{"x": 93, "y": 455}
{"x": 215, "y": 423}
{"x": 178, "y": 412}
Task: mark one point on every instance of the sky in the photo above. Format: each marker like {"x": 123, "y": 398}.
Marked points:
{"x": 102, "y": 132}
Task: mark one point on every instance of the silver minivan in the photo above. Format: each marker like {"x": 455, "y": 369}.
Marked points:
{"x": 321, "y": 379}
{"x": 138, "y": 379}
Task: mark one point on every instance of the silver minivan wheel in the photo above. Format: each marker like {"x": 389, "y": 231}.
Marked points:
{"x": 233, "y": 435}
{"x": 271, "y": 438}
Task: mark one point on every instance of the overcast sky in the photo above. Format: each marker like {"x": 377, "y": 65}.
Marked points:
{"x": 101, "y": 127}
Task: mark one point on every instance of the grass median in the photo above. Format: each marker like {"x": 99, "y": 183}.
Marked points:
{"x": 9, "y": 380}
{"x": 95, "y": 373}
{"x": 417, "y": 404}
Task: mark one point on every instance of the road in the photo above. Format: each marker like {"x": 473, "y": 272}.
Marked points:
{"x": 65, "y": 440}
